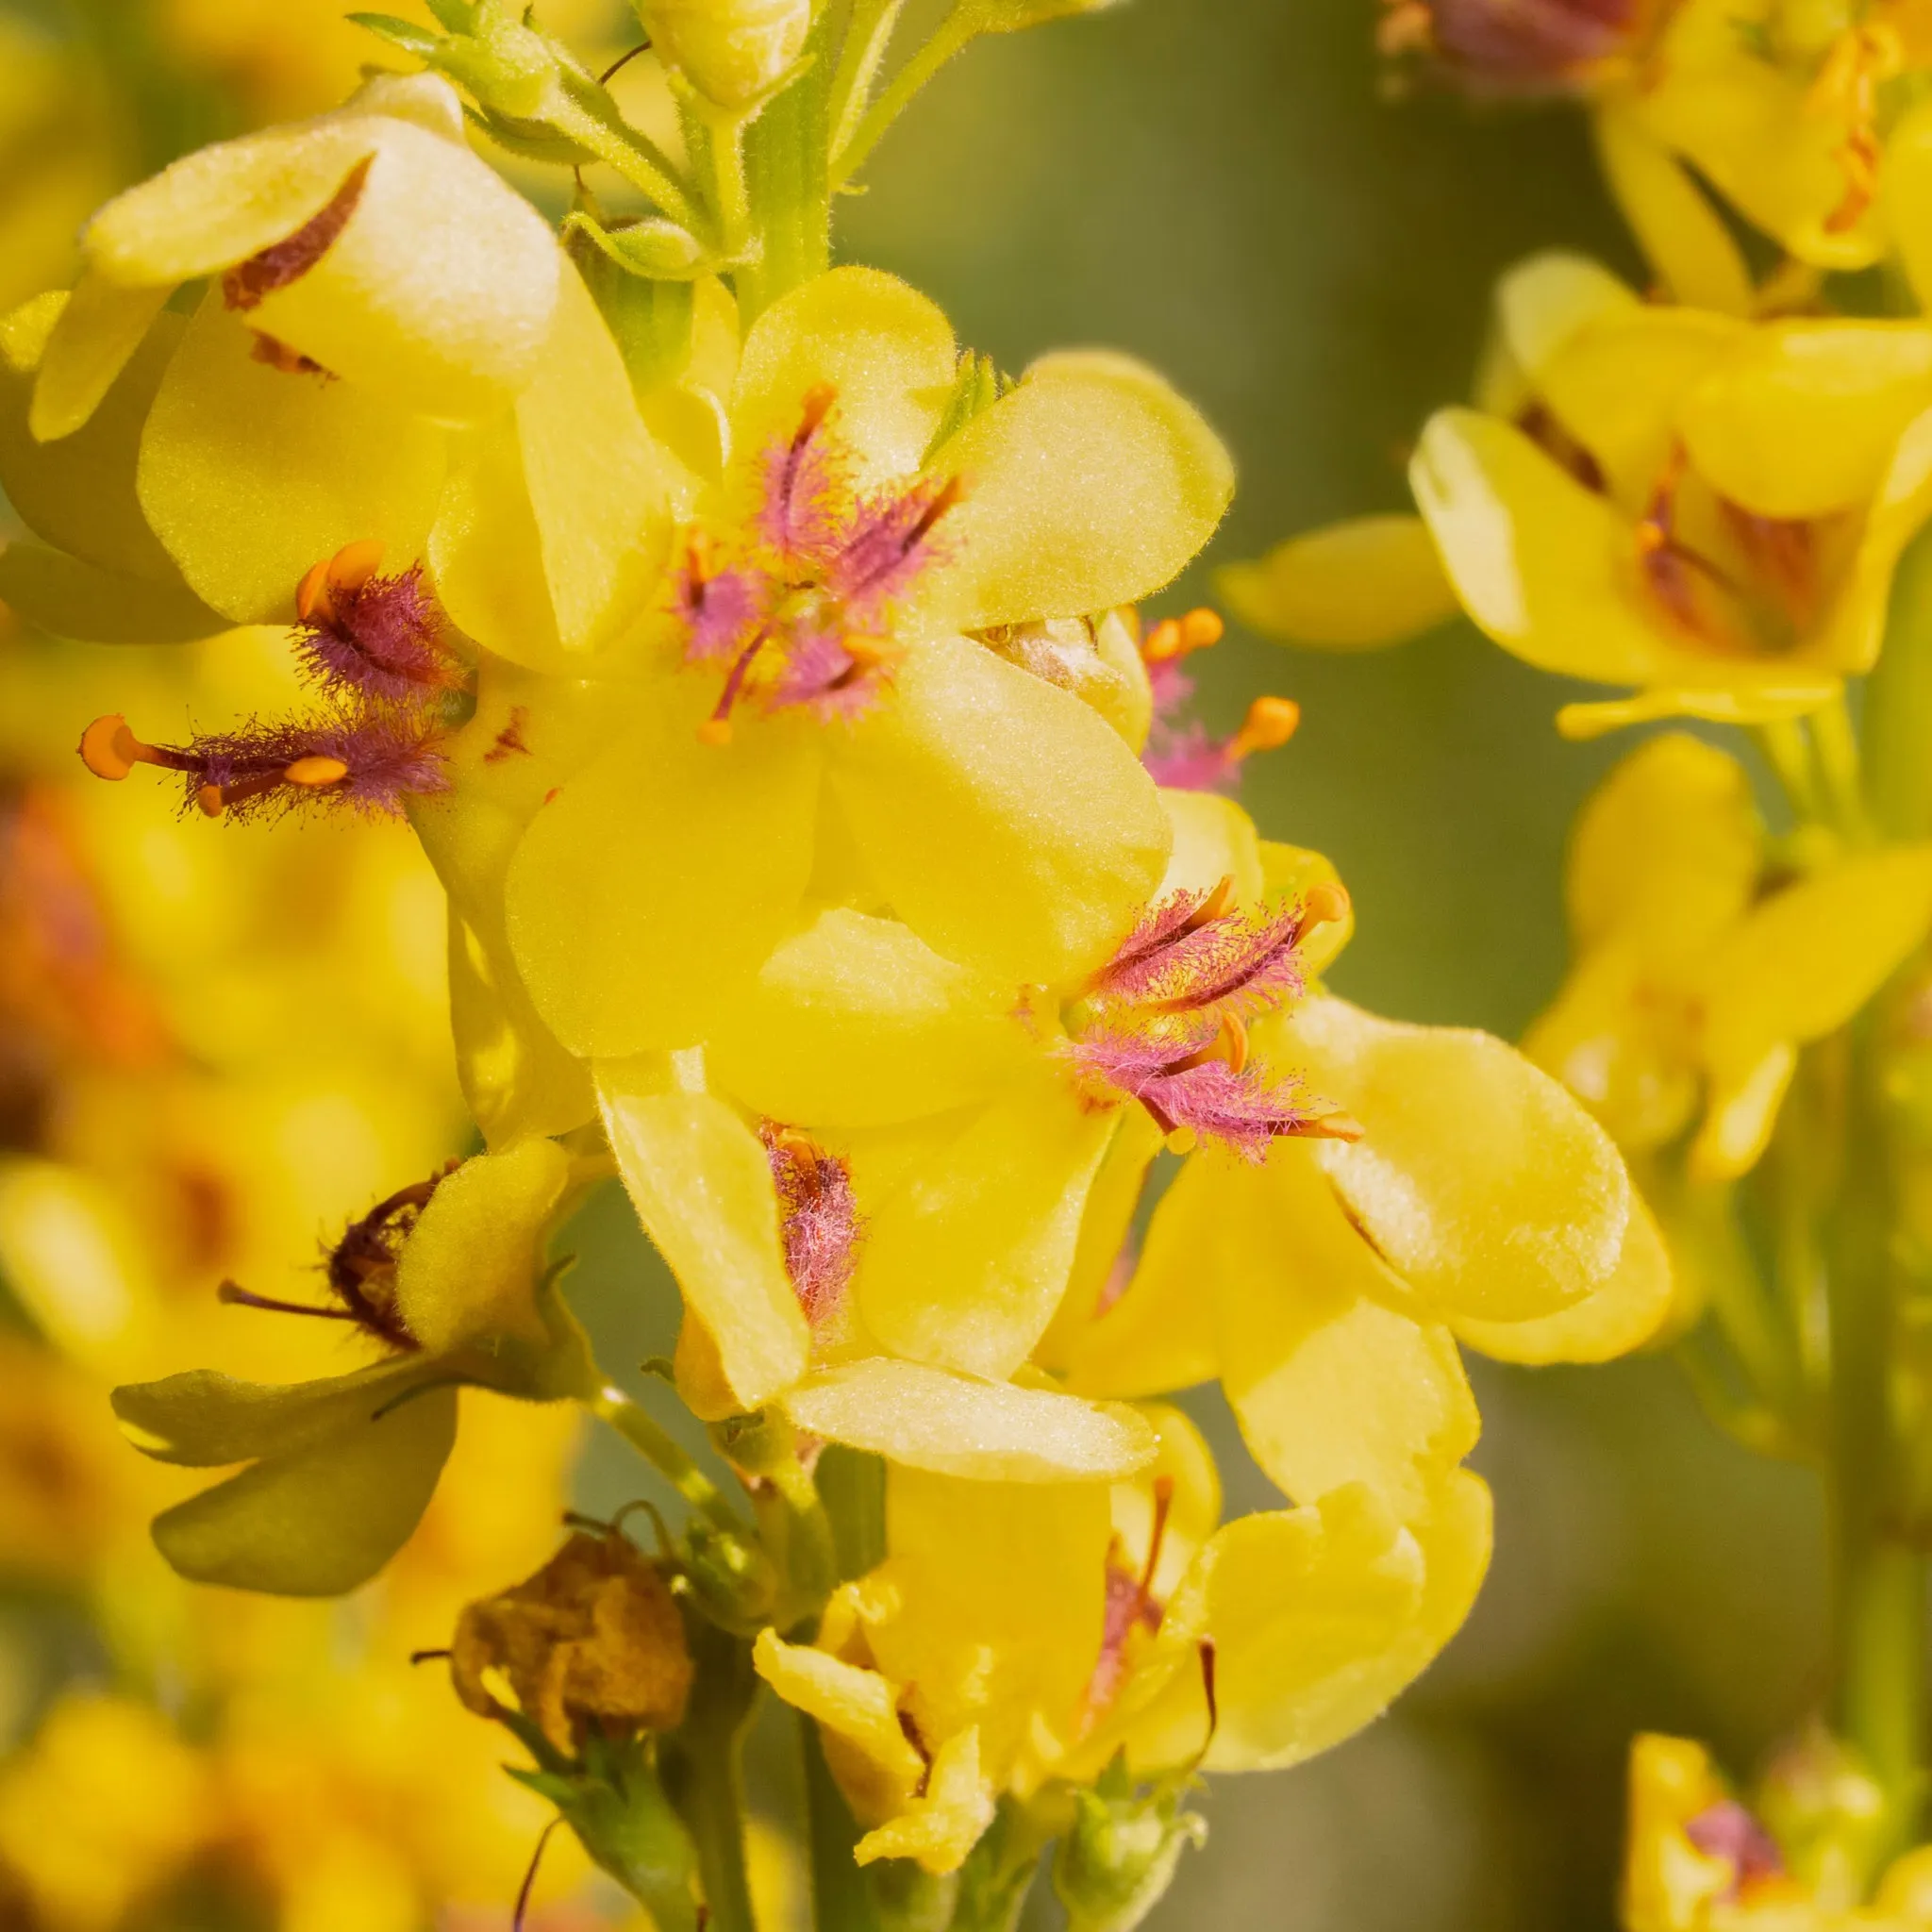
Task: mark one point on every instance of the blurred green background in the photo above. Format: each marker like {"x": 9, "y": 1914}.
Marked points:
{"x": 1222, "y": 187}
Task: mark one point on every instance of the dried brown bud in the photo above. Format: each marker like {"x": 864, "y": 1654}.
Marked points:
{"x": 594, "y": 1637}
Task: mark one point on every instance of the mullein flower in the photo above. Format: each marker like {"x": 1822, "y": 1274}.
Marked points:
{"x": 1326, "y": 1285}
{"x": 1708, "y": 509}
{"x": 831, "y": 651}
{"x": 1788, "y": 114}
{"x": 1701, "y": 965}
{"x": 448, "y": 1277}
{"x": 1020, "y": 1642}
{"x": 966, "y": 1121}
{"x": 1699, "y": 1859}
{"x": 342, "y": 382}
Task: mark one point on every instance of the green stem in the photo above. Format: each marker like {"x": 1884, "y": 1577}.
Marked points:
{"x": 711, "y": 1800}
{"x": 951, "y": 34}
{"x": 729, "y": 187}
{"x": 1898, "y": 703}
{"x": 1789, "y": 753}
{"x": 868, "y": 31}
{"x": 1879, "y": 1677}
{"x": 1836, "y": 745}
{"x": 785, "y": 158}
{"x": 650, "y": 1439}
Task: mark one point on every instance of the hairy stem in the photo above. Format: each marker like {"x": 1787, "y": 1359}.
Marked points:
{"x": 649, "y": 1438}
{"x": 1878, "y": 1583}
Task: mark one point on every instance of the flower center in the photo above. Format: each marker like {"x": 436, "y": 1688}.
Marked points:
{"x": 1165, "y": 1021}
{"x": 798, "y": 604}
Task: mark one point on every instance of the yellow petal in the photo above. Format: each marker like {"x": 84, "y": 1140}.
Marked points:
{"x": 1745, "y": 1096}
{"x": 469, "y": 1268}
{"x": 1159, "y": 1333}
{"x": 1106, "y": 1231}
{"x": 1351, "y": 587}
{"x": 1620, "y": 386}
{"x": 78, "y": 493}
{"x": 949, "y": 1424}
{"x": 948, "y": 1818}
{"x": 1624, "y": 1313}
{"x": 1539, "y": 561}
{"x": 1053, "y": 833}
{"x": 1905, "y": 186}
{"x": 250, "y": 475}
{"x": 1668, "y": 1881}
{"x": 1667, "y": 851}
{"x": 322, "y": 1520}
{"x": 525, "y": 736}
{"x": 857, "y": 1704}
{"x": 1321, "y": 1616}
{"x": 1001, "y": 1593}
{"x": 1769, "y": 695}
{"x": 1544, "y": 303}
{"x": 599, "y": 487}
{"x": 885, "y": 349}
{"x": 517, "y": 1079}
{"x": 67, "y": 598}
{"x": 95, "y": 337}
{"x": 485, "y": 553}
{"x": 654, "y": 884}
{"x": 1683, "y": 237}
{"x": 856, "y": 1021}
{"x": 1801, "y": 418}
{"x": 1751, "y": 130}
{"x": 224, "y": 203}
{"x": 1805, "y": 959}
{"x": 452, "y": 330}
{"x": 1481, "y": 1182}
{"x": 702, "y": 1186}
{"x": 1330, "y": 1385}
{"x": 1853, "y": 631}
{"x": 1213, "y": 840}
{"x": 965, "y": 1262}
{"x": 1091, "y": 484}
{"x": 1621, "y": 1035}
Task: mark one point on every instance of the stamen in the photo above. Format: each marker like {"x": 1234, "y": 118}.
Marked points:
{"x": 1324, "y": 903}
{"x": 716, "y": 729}
{"x": 109, "y": 750}
{"x": 348, "y": 569}
{"x": 1179, "y": 636}
{"x": 819, "y": 1224}
{"x": 1333, "y": 1125}
{"x": 235, "y": 1296}
{"x": 1270, "y": 723}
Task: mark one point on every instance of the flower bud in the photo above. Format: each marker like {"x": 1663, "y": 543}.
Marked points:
{"x": 732, "y": 51}
{"x": 1117, "y": 1862}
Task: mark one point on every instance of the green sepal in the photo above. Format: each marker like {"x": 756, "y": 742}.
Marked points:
{"x": 406, "y": 34}
{"x": 976, "y": 388}
{"x": 1116, "y": 1862}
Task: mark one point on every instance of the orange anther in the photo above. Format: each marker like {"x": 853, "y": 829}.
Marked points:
{"x": 211, "y": 801}
{"x": 715, "y": 731}
{"x": 1324, "y": 903}
{"x": 311, "y": 594}
{"x": 1333, "y": 1126}
{"x": 109, "y": 750}
{"x": 354, "y": 565}
{"x": 1201, "y": 628}
{"x": 1270, "y": 723}
{"x": 1163, "y": 642}
{"x": 314, "y": 772}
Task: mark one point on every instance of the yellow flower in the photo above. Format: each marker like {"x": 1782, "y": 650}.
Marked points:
{"x": 820, "y": 697}
{"x": 1017, "y": 1637}
{"x": 392, "y": 351}
{"x": 1697, "y": 1859}
{"x": 448, "y": 1276}
{"x": 106, "y": 1807}
{"x": 1699, "y": 970}
{"x": 1708, "y": 509}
